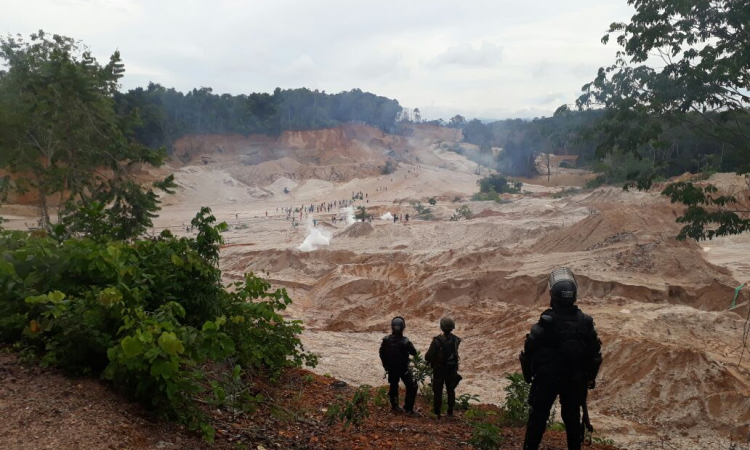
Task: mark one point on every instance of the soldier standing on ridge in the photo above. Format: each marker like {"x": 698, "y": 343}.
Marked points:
{"x": 561, "y": 356}
{"x": 394, "y": 354}
{"x": 443, "y": 357}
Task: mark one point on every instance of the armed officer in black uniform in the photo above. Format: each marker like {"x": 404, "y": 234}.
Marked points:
{"x": 394, "y": 354}
{"x": 443, "y": 357}
{"x": 561, "y": 357}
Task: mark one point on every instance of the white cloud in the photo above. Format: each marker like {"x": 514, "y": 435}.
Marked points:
{"x": 479, "y": 60}
{"x": 486, "y": 54}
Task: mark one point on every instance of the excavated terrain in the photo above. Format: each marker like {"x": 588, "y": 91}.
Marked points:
{"x": 672, "y": 348}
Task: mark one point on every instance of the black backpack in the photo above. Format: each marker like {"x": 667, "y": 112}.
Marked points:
{"x": 568, "y": 338}
{"x": 448, "y": 355}
{"x": 396, "y": 356}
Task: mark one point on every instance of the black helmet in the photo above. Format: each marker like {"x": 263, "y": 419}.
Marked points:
{"x": 398, "y": 324}
{"x": 447, "y": 324}
{"x": 563, "y": 287}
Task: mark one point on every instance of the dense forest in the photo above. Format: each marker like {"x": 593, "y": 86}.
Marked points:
{"x": 679, "y": 149}
{"x": 166, "y": 114}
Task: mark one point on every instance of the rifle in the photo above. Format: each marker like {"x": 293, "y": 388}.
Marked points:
{"x": 587, "y": 429}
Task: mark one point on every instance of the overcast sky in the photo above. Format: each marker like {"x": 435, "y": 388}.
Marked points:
{"x": 479, "y": 58}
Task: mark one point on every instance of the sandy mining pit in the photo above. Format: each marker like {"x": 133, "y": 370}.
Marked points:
{"x": 671, "y": 347}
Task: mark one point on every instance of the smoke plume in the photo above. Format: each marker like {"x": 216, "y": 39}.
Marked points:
{"x": 386, "y": 216}
{"x": 349, "y": 215}
{"x": 316, "y": 237}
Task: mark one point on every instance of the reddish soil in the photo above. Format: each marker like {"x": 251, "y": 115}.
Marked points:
{"x": 44, "y": 409}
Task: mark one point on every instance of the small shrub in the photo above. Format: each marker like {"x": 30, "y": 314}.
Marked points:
{"x": 485, "y": 436}
{"x": 148, "y": 315}
{"x": 456, "y": 199}
{"x": 499, "y": 184}
{"x": 421, "y": 370}
{"x": 464, "y": 211}
{"x": 603, "y": 441}
{"x": 516, "y": 407}
{"x": 491, "y": 196}
{"x": 599, "y": 181}
{"x": 432, "y": 201}
{"x": 462, "y": 402}
{"x": 354, "y": 411}
{"x": 381, "y": 396}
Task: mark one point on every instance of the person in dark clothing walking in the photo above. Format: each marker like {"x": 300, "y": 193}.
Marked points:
{"x": 443, "y": 357}
{"x": 561, "y": 357}
{"x": 394, "y": 354}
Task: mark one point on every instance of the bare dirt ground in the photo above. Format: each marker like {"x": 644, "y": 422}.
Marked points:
{"x": 671, "y": 347}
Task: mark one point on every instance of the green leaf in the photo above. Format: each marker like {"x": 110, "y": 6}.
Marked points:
{"x": 56, "y": 296}
{"x": 177, "y": 261}
{"x": 109, "y": 296}
{"x": 131, "y": 346}
{"x": 163, "y": 368}
{"x": 170, "y": 343}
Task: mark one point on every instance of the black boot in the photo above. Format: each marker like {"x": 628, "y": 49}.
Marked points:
{"x": 394, "y": 404}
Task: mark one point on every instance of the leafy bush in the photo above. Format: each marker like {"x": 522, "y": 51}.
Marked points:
{"x": 485, "y": 436}
{"x": 421, "y": 370}
{"x": 462, "y": 402}
{"x": 485, "y": 433}
{"x": 381, "y": 396}
{"x": 432, "y": 201}
{"x": 489, "y": 197}
{"x": 147, "y": 315}
{"x": 352, "y": 412}
{"x": 423, "y": 212}
{"x": 516, "y": 407}
{"x": 499, "y": 184}
{"x": 464, "y": 211}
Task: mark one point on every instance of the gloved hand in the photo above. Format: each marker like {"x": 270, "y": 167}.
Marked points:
{"x": 592, "y": 384}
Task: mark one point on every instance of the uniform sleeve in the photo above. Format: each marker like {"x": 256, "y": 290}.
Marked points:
{"x": 594, "y": 346}
{"x": 410, "y": 348}
{"x": 382, "y": 352}
{"x": 432, "y": 351}
{"x": 533, "y": 342}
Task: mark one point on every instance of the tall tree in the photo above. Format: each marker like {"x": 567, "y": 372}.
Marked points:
{"x": 60, "y": 135}
{"x": 702, "y": 50}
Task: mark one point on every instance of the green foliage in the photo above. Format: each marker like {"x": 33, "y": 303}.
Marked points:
{"x": 432, "y": 201}
{"x": 361, "y": 213}
{"x": 352, "y": 412}
{"x": 485, "y": 436}
{"x": 423, "y": 212}
{"x": 421, "y": 370}
{"x": 499, "y": 185}
{"x": 147, "y": 315}
{"x": 516, "y": 407}
{"x": 462, "y": 212}
{"x": 485, "y": 433}
{"x": 381, "y": 396}
{"x": 701, "y": 87}
{"x": 60, "y": 134}
{"x": 167, "y": 114}
{"x": 489, "y": 197}
{"x": 603, "y": 441}
{"x": 462, "y": 402}
{"x": 709, "y": 214}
